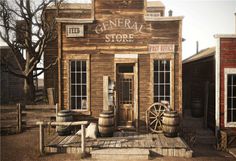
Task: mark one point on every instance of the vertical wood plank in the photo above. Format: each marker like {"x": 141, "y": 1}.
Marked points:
{"x": 83, "y": 139}
{"x": 206, "y": 103}
{"x": 41, "y": 139}
{"x": 105, "y": 93}
{"x": 19, "y": 117}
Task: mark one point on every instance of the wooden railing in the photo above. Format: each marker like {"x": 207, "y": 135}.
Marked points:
{"x": 16, "y": 118}
{"x": 42, "y": 125}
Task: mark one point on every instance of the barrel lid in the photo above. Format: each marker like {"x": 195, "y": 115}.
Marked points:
{"x": 107, "y": 112}
{"x": 64, "y": 113}
{"x": 170, "y": 112}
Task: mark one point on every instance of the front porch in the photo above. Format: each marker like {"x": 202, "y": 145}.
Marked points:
{"x": 120, "y": 145}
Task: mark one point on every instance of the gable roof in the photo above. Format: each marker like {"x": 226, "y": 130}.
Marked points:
{"x": 201, "y": 55}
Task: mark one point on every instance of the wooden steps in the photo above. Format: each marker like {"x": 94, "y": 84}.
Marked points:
{"x": 157, "y": 144}
{"x": 121, "y": 154}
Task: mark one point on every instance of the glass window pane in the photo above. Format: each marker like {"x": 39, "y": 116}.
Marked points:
{"x": 234, "y": 91}
{"x": 72, "y": 102}
{"x": 84, "y": 78}
{"x": 162, "y": 65}
{"x": 78, "y": 66}
{"x": 78, "y": 101}
{"x": 167, "y": 65}
{"x": 234, "y": 115}
{"x": 78, "y": 90}
{"x": 126, "y": 69}
{"x": 72, "y": 77}
{"x": 156, "y": 99}
{"x": 167, "y": 90}
{"x": 230, "y": 79}
{"x": 155, "y": 90}
{"x": 162, "y": 79}
{"x": 229, "y": 115}
{"x": 229, "y": 90}
{"x": 162, "y": 99}
{"x": 155, "y": 77}
{"x": 78, "y": 77}
{"x": 167, "y": 99}
{"x": 162, "y": 90}
{"x": 73, "y": 90}
{"x": 234, "y": 79}
{"x": 156, "y": 65}
{"x": 233, "y": 105}
{"x": 72, "y": 66}
{"x": 167, "y": 74}
{"x": 84, "y": 66}
{"x": 84, "y": 90}
{"x": 84, "y": 103}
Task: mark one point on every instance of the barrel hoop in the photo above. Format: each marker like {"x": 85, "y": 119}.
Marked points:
{"x": 170, "y": 116}
{"x": 169, "y": 124}
{"x": 106, "y": 125}
{"x": 106, "y": 116}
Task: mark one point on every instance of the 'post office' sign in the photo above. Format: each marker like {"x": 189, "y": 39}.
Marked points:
{"x": 161, "y": 48}
{"x": 74, "y": 30}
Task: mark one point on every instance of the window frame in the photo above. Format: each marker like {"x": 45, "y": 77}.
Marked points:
{"x": 86, "y": 58}
{"x": 159, "y": 84}
{"x": 227, "y": 71}
{"x": 163, "y": 56}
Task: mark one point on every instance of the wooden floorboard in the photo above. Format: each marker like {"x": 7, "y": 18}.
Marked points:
{"x": 131, "y": 141}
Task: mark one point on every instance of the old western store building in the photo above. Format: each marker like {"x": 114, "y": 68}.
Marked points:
{"x": 132, "y": 42}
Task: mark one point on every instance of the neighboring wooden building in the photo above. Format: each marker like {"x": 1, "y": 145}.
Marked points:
{"x": 12, "y": 87}
{"x": 132, "y": 42}
{"x": 210, "y": 75}
{"x": 225, "y": 70}
{"x": 199, "y": 82}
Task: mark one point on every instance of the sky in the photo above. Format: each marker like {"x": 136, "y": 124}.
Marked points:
{"x": 202, "y": 20}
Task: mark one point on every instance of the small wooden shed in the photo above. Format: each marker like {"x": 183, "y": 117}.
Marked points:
{"x": 132, "y": 42}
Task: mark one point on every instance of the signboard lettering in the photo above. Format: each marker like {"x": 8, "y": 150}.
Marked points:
{"x": 74, "y": 31}
{"x": 161, "y": 48}
{"x": 121, "y": 24}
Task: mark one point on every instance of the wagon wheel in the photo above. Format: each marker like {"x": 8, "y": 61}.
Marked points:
{"x": 154, "y": 116}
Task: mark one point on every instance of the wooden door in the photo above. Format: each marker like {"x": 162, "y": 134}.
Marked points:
{"x": 125, "y": 99}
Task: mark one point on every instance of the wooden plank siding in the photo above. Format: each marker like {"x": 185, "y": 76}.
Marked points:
{"x": 227, "y": 60}
{"x": 102, "y": 53}
{"x": 195, "y": 76}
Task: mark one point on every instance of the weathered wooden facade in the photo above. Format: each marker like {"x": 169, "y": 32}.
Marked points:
{"x": 199, "y": 82}
{"x": 9, "y": 82}
{"x": 132, "y": 42}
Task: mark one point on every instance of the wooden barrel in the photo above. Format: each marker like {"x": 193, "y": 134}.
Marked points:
{"x": 196, "y": 107}
{"x": 64, "y": 116}
{"x": 106, "y": 123}
{"x": 170, "y": 123}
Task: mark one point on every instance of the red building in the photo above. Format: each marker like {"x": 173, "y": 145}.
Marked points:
{"x": 225, "y": 81}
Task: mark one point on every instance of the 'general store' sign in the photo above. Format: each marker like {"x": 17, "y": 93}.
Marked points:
{"x": 120, "y": 25}
{"x": 161, "y": 48}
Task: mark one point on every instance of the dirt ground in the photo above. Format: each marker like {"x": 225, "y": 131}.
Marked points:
{"x": 24, "y": 147}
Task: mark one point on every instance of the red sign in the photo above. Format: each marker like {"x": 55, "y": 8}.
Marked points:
{"x": 161, "y": 48}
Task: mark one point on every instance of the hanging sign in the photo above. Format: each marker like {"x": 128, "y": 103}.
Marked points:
{"x": 74, "y": 31}
{"x": 161, "y": 48}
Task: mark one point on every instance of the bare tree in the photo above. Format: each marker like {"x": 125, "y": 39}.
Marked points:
{"x": 25, "y": 29}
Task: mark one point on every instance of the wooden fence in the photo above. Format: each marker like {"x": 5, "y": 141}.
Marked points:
{"x": 15, "y": 119}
